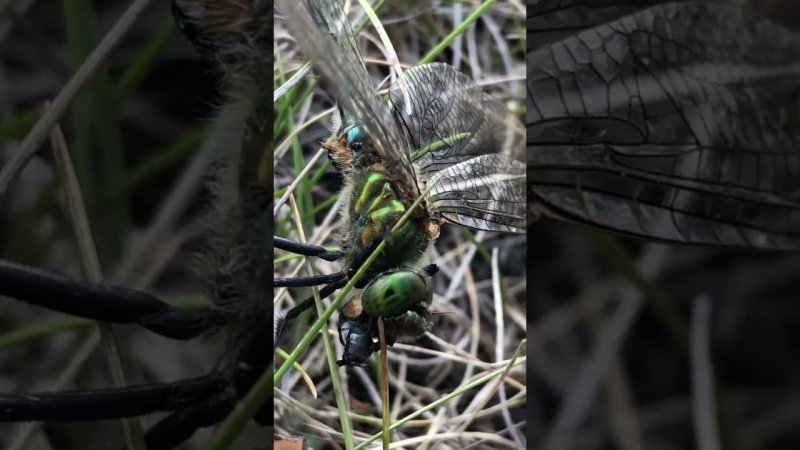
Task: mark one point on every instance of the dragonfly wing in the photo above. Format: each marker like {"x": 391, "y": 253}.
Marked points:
{"x": 449, "y": 119}
{"x": 324, "y": 35}
{"x": 553, "y": 20}
{"x": 676, "y": 123}
{"x": 331, "y": 19}
{"x": 486, "y": 193}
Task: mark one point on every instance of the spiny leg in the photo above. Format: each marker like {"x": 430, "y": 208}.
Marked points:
{"x": 103, "y": 303}
{"x": 103, "y": 404}
{"x": 306, "y": 250}
{"x": 179, "y": 426}
{"x": 314, "y": 280}
{"x": 300, "y": 248}
{"x": 301, "y": 307}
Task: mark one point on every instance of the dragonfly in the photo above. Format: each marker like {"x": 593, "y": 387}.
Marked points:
{"x": 238, "y": 238}
{"x": 670, "y": 121}
{"x": 437, "y": 140}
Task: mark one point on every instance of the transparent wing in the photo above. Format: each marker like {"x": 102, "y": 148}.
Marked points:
{"x": 331, "y": 19}
{"x": 486, "y": 192}
{"x": 323, "y": 33}
{"x": 676, "y": 123}
{"x": 451, "y": 120}
{"x": 553, "y": 20}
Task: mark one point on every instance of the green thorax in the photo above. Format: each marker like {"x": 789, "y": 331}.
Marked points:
{"x": 375, "y": 207}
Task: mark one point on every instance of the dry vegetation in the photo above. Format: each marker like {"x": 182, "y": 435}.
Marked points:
{"x": 463, "y": 344}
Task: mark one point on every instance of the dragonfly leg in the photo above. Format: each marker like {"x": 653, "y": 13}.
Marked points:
{"x": 301, "y": 307}
{"x": 103, "y": 404}
{"x": 103, "y": 303}
{"x": 306, "y": 249}
{"x": 175, "y": 429}
{"x": 252, "y": 362}
{"x": 314, "y": 280}
{"x": 196, "y": 402}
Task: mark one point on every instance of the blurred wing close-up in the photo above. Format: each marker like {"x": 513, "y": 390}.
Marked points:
{"x": 675, "y": 123}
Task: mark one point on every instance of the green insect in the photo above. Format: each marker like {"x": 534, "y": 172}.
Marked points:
{"x": 436, "y": 140}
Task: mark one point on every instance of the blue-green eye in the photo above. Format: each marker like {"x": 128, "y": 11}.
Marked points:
{"x": 355, "y": 138}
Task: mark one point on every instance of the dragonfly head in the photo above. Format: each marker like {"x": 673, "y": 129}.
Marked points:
{"x": 355, "y": 138}
{"x": 349, "y": 149}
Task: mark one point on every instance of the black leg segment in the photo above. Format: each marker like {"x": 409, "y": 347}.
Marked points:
{"x": 106, "y": 404}
{"x": 103, "y": 303}
{"x": 300, "y": 308}
{"x": 314, "y": 280}
{"x": 306, "y": 249}
{"x": 179, "y": 426}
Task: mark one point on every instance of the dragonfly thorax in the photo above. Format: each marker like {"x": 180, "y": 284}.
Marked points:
{"x": 374, "y": 208}
{"x": 351, "y": 151}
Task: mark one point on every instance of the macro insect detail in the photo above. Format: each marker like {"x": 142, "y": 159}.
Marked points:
{"x": 673, "y": 122}
{"x": 684, "y": 133}
{"x": 436, "y": 150}
{"x": 238, "y": 36}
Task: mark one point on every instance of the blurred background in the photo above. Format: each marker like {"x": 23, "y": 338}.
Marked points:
{"x": 131, "y": 131}
{"x": 623, "y": 354}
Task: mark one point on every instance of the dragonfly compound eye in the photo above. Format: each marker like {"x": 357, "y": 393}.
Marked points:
{"x": 393, "y": 293}
{"x": 356, "y": 138}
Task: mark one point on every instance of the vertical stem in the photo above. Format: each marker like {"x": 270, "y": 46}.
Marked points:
{"x": 91, "y": 264}
{"x": 387, "y": 416}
